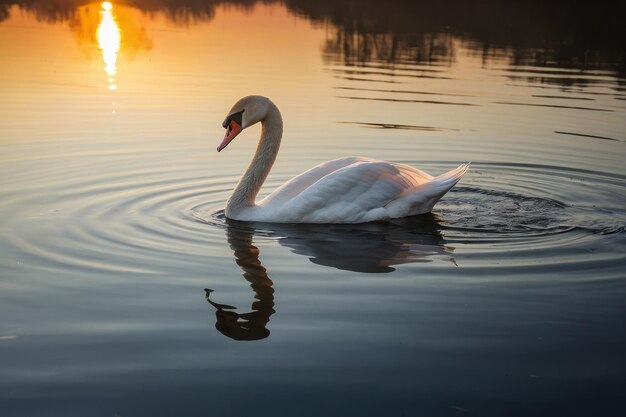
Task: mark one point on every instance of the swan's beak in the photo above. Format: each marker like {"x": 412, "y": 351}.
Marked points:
{"x": 232, "y": 130}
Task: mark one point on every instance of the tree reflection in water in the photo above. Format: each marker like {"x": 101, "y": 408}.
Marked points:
{"x": 546, "y": 34}
{"x": 365, "y": 248}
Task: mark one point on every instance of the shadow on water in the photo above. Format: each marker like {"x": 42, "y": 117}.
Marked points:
{"x": 364, "y": 248}
{"x": 545, "y": 34}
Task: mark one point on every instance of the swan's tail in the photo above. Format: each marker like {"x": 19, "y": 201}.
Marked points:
{"x": 441, "y": 184}
{"x": 446, "y": 181}
{"x": 422, "y": 199}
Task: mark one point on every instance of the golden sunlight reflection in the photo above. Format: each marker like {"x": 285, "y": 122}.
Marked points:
{"x": 109, "y": 40}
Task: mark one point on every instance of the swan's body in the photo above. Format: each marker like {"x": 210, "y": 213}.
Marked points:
{"x": 347, "y": 190}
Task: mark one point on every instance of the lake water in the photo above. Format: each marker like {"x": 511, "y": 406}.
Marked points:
{"x": 509, "y": 299}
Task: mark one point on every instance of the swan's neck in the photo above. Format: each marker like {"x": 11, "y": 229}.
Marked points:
{"x": 251, "y": 181}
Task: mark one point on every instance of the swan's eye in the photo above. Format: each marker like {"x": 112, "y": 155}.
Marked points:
{"x": 236, "y": 117}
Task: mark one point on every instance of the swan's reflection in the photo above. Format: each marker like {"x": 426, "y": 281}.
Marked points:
{"x": 252, "y": 325}
{"x": 370, "y": 248}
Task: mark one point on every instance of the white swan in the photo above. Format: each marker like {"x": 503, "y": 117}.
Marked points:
{"x": 347, "y": 190}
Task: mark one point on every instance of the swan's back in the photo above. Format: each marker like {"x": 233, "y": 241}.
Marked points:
{"x": 354, "y": 190}
{"x": 301, "y": 182}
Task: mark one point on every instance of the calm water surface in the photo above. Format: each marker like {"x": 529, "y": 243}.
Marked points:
{"x": 507, "y": 300}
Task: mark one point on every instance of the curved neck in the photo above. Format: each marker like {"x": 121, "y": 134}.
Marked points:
{"x": 251, "y": 181}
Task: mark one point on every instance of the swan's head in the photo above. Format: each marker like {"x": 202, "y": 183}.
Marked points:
{"x": 246, "y": 112}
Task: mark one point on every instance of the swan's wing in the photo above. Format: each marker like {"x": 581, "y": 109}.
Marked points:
{"x": 355, "y": 193}
{"x": 297, "y": 184}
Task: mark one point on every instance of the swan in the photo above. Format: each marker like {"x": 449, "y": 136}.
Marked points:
{"x": 352, "y": 189}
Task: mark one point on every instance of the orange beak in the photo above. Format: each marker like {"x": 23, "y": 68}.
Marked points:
{"x": 232, "y": 130}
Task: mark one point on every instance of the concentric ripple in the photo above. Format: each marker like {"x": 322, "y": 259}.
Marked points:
{"x": 156, "y": 221}
{"x": 140, "y": 223}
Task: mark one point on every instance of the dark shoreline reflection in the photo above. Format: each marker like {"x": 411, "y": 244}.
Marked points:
{"x": 545, "y": 34}
{"x": 364, "y": 248}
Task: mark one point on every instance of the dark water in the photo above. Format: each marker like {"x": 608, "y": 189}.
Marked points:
{"x": 125, "y": 292}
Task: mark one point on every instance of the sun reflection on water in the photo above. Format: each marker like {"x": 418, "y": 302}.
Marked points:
{"x": 109, "y": 41}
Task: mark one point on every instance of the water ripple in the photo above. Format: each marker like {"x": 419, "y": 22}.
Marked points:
{"x": 555, "y": 106}
{"x": 588, "y": 136}
{"x": 397, "y": 100}
{"x": 400, "y": 127}
{"x": 163, "y": 222}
